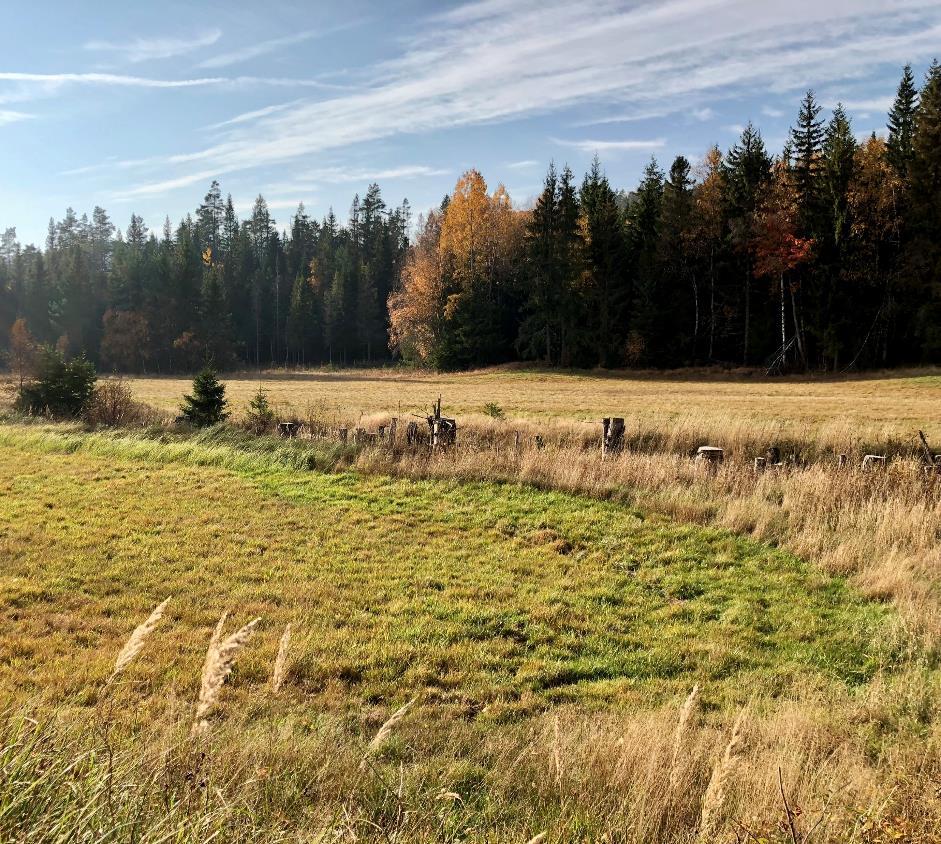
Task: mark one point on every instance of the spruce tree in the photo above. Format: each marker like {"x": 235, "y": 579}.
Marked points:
{"x": 839, "y": 158}
{"x": 643, "y": 221}
{"x": 925, "y": 215}
{"x": 807, "y": 147}
{"x": 207, "y": 404}
{"x": 537, "y": 335}
{"x": 747, "y": 170}
{"x": 901, "y": 124}
{"x": 605, "y": 259}
{"x": 679, "y": 280}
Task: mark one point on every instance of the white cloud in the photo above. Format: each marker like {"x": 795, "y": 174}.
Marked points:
{"x": 883, "y": 104}
{"x": 703, "y": 114}
{"x": 340, "y": 175}
{"x": 251, "y": 51}
{"x": 496, "y": 60}
{"x": 735, "y": 128}
{"x": 522, "y": 165}
{"x": 145, "y": 49}
{"x": 108, "y": 79}
{"x": 7, "y": 116}
{"x": 617, "y": 146}
{"x": 248, "y": 116}
{"x": 50, "y": 82}
{"x": 261, "y": 48}
{"x": 768, "y": 111}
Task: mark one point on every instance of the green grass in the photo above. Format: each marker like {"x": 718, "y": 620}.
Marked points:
{"x": 489, "y": 601}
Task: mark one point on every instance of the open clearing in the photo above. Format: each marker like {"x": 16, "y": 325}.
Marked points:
{"x": 879, "y": 406}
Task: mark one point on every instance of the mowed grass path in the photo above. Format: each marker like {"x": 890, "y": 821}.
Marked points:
{"x": 883, "y": 405}
{"x": 492, "y": 600}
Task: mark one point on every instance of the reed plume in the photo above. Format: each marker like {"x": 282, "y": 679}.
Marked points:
{"x": 715, "y": 793}
{"x": 133, "y": 645}
{"x": 281, "y": 661}
{"x": 220, "y": 658}
{"x": 686, "y": 714}
{"x": 386, "y": 729}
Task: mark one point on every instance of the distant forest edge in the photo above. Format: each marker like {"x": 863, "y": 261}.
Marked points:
{"x": 825, "y": 257}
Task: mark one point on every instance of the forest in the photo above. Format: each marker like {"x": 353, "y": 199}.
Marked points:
{"x": 825, "y": 257}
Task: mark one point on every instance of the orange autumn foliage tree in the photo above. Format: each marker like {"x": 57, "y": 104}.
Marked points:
{"x": 23, "y": 349}
{"x": 416, "y": 309}
{"x": 778, "y": 249}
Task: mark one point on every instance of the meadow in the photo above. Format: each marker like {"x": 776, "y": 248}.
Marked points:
{"x": 628, "y": 650}
{"x": 874, "y": 407}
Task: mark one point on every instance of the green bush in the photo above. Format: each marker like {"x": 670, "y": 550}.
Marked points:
{"x": 207, "y": 404}
{"x": 60, "y": 387}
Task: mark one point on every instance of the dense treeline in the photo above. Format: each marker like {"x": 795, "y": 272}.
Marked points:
{"x": 215, "y": 287}
{"x": 827, "y": 256}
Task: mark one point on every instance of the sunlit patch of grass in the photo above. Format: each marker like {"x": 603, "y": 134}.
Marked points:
{"x": 488, "y": 593}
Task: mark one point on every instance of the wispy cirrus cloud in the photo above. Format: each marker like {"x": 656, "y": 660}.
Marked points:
{"x": 499, "y": 60}
{"x": 341, "y": 175}
{"x": 7, "y": 116}
{"x": 612, "y": 146}
{"x": 116, "y": 79}
{"x": 145, "y": 49}
{"x": 523, "y": 165}
{"x": 261, "y": 48}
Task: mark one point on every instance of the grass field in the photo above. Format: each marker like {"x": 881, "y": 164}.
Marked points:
{"x": 546, "y": 613}
{"x": 889, "y": 406}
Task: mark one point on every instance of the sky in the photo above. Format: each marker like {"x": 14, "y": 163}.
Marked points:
{"x": 137, "y": 107}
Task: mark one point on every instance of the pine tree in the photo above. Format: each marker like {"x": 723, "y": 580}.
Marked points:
{"x": 206, "y": 405}
{"x": 901, "y": 124}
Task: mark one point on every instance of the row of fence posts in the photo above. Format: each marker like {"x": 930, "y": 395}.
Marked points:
{"x": 442, "y": 433}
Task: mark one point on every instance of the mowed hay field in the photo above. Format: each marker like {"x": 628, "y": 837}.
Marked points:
{"x": 876, "y": 407}
{"x": 544, "y": 618}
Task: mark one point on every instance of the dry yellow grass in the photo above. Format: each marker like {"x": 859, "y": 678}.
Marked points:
{"x": 872, "y": 407}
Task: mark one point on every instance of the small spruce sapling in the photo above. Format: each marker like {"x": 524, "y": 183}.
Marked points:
{"x": 260, "y": 416}
{"x": 207, "y": 404}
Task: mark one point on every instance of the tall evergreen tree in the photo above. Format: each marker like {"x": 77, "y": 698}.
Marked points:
{"x": 901, "y": 124}
{"x": 607, "y": 284}
{"x": 747, "y": 169}
{"x": 925, "y": 214}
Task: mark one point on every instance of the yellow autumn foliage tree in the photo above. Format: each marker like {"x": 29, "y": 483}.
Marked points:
{"x": 455, "y": 272}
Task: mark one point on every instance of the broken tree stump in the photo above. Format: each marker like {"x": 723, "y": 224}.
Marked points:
{"x": 612, "y": 435}
{"x": 288, "y": 429}
{"x": 710, "y": 456}
{"x": 761, "y": 464}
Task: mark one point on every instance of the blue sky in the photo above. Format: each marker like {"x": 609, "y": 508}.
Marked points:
{"x": 137, "y": 107}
